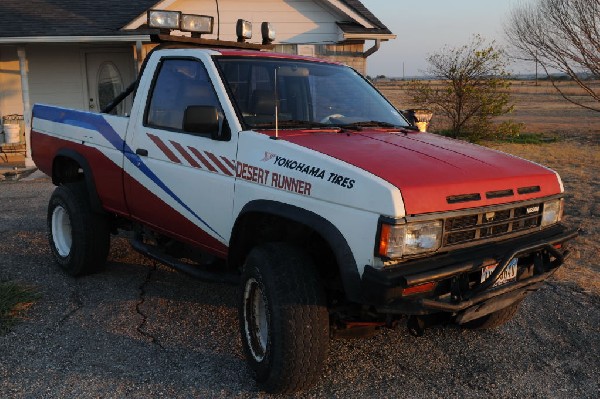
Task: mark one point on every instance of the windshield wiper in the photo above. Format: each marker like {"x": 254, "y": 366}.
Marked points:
{"x": 297, "y": 124}
{"x": 377, "y": 124}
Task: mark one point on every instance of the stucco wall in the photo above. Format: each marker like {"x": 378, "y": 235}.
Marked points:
{"x": 10, "y": 82}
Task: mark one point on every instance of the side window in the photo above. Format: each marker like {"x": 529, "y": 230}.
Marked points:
{"x": 180, "y": 83}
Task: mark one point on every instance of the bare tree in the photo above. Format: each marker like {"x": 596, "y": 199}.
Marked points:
{"x": 561, "y": 35}
{"x": 473, "y": 87}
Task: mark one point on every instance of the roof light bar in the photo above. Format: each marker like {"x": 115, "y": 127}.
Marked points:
{"x": 268, "y": 32}
{"x": 243, "y": 30}
{"x": 164, "y": 20}
{"x": 197, "y": 24}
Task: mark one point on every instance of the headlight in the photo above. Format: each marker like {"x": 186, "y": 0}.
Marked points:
{"x": 552, "y": 212}
{"x": 396, "y": 241}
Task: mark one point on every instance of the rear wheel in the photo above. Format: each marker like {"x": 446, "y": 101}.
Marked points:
{"x": 495, "y": 319}
{"x": 284, "y": 321}
{"x": 79, "y": 238}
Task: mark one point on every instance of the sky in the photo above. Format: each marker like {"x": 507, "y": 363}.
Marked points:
{"x": 425, "y": 26}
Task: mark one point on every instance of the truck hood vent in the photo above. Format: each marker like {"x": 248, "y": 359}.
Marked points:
{"x": 456, "y": 199}
{"x": 499, "y": 194}
{"x": 529, "y": 190}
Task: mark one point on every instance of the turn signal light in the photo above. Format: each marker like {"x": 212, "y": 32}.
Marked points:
{"x": 384, "y": 238}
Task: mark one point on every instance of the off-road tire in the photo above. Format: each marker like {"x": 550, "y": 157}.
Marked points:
{"x": 295, "y": 321}
{"x": 79, "y": 238}
{"x": 495, "y": 319}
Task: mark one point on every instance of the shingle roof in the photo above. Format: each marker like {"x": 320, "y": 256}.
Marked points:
{"x": 30, "y": 18}
{"x": 368, "y": 15}
{"x": 68, "y": 17}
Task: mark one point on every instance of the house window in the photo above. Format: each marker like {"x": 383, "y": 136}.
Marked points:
{"x": 110, "y": 85}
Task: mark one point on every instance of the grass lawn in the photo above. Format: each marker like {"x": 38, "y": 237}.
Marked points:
{"x": 14, "y": 300}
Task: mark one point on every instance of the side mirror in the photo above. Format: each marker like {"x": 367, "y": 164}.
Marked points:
{"x": 203, "y": 119}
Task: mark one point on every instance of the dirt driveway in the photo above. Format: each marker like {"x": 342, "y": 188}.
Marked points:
{"x": 138, "y": 330}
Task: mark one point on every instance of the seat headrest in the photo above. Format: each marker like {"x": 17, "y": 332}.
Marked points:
{"x": 263, "y": 102}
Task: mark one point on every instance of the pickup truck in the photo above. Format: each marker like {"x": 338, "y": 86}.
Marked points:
{"x": 296, "y": 179}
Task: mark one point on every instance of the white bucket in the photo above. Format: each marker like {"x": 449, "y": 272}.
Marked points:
{"x": 11, "y": 133}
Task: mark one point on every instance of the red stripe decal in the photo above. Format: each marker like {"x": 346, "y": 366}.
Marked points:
{"x": 153, "y": 211}
{"x": 218, "y": 163}
{"x": 185, "y": 154}
{"x": 229, "y": 163}
{"x": 199, "y": 155}
{"x": 163, "y": 147}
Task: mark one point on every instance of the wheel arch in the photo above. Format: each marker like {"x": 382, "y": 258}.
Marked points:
{"x": 69, "y": 166}
{"x": 346, "y": 263}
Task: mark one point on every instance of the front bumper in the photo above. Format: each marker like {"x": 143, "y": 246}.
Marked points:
{"x": 457, "y": 276}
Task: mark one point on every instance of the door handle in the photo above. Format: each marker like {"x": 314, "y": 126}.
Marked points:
{"x": 142, "y": 152}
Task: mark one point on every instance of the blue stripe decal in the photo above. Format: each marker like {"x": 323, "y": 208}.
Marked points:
{"x": 97, "y": 123}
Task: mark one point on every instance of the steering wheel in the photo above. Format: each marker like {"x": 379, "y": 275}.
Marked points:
{"x": 328, "y": 118}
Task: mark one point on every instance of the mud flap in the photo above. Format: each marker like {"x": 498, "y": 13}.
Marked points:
{"x": 494, "y": 304}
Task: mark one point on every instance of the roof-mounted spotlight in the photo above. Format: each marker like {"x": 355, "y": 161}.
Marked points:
{"x": 164, "y": 20}
{"x": 243, "y": 30}
{"x": 197, "y": 24}
{"x": 268, "y": 32}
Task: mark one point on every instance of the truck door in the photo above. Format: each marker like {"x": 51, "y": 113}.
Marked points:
{"x": 181, "y": 183}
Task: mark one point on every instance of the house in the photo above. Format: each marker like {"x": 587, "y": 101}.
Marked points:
{"x": 79, "y": 54}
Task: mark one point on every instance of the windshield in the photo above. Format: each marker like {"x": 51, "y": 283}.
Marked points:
{"x": 309, "y": 94}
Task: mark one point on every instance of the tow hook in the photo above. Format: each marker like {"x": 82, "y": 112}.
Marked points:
{"x": 416, "y": 326}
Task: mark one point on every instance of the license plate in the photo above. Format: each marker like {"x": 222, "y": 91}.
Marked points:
{"x": 509, "y": 274}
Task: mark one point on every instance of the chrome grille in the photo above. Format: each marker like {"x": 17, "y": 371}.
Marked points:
{"x": 484, "y": 225}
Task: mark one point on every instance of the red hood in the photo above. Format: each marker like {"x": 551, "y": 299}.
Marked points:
{"x": 428, "y": 168}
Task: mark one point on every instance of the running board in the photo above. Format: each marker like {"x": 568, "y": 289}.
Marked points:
{"x": 198, "y": 272}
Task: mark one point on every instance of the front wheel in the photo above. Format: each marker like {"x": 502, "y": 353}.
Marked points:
{"x": 79, "y": 238}
{"x": 284, "y": 321}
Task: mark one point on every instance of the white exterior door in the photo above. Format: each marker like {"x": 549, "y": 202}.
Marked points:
{"x": 108, "y": 74}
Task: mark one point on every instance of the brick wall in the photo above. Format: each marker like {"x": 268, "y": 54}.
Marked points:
{"x": 349, "y": 54}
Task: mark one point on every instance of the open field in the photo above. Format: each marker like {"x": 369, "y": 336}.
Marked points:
{"x": 576, "y": 157}
{"x": 539, "y": 107}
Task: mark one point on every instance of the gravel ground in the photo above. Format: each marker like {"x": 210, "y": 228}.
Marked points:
{"x": 138, "y": 330}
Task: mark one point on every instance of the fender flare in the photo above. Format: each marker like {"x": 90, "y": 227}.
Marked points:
{"x": 88, "y": 175}
{"x": 343, "y": 254}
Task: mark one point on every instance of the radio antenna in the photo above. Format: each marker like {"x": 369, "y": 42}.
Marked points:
{"x": 276, "y": 106}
